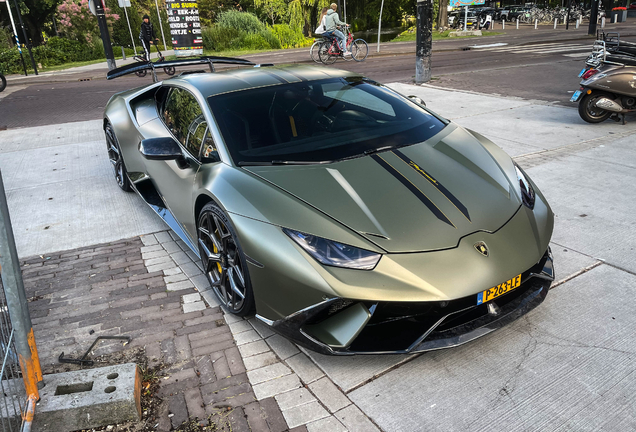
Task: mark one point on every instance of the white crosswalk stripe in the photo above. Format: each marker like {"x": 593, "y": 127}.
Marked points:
{"x": 538, "y": 49}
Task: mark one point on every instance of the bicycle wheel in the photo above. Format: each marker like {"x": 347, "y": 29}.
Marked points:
{"x": 313, "y": 51}
{"x": 141, "y": 73}
{"x": 324, "y": 55}
{"x": 169, "y": 70}
{"x": 3, "y": 82}
{"x": 359, "y": 50}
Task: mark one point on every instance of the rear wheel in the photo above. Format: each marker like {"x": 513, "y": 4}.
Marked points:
{"x": 141, "y": 73}
{"x": 313, "y": 51}
{"x": 223, "y": 260}
{"x": 3, "y": 82}
{"x": 591, "y": 113}
{"x": 116, "y": 160}
{"x": 359, "y": 50}
{"x": 169, "y": 70}
{"x": 324, "y": 55}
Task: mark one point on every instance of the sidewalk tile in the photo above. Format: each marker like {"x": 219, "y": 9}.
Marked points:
{"x": 194, "y": 306}
{"x": 329, "y": 394}
{"x": 263, "y": 329}
{"x": 256, "y": 417}
{"x": 163, "y": 237}
{"x": 175, "y": 278}
{"x": 178, "y": 286}
{"x": 306, "y": 370}
{"x": 260, "y": 360}
{"x": 303, "y": 414}
{"x": 282, "y": 347}
{"x": 327, "y": 424}
{"x": 240, "y": 326}
{"x": 294, "y": 398}
{"x": 276, "y": 386}
{"x": 267, "y": 373}
{"x": 246, "y": 337}
{"x": 148, "y": 240}
{"x": 274, "y": 418}
{"x": 354, "y": 420}
{"x": 172, "y": 271}
{"x": 191, "y": 298}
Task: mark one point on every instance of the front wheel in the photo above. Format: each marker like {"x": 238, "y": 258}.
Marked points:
{"x": 141, "y": 73}
{"x": 589, "y": 111}
{"x": 223, "y": 260}
{"x": 169, "y": 70}
{"x": 359, "y": 50}
{"x": 3, "y": 82}
{"x": 116, "y": 160}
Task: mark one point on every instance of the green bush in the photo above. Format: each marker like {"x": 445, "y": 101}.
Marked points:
{"x": 358, "y": 24}
{"x": 290, "y": 37}
{"x": 241, "y": 21}
{"x": 217, "y": 38}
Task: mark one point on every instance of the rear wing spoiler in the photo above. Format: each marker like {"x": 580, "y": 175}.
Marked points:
{"x": 153, "y": 66}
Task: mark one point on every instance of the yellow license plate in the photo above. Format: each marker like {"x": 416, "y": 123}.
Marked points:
{"x": 499, "y": 290}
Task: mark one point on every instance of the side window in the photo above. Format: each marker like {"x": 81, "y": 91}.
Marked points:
{"x": 183, "y": 117}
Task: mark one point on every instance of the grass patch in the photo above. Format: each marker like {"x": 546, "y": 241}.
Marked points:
{"x": 408, "y": 37}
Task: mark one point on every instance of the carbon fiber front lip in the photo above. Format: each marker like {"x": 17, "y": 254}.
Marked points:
{"x": 536, "y": 287}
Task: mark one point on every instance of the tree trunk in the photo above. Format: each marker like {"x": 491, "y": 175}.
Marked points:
{"x": 442, "y": 15}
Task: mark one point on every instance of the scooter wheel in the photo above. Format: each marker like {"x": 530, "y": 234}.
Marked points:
{"x": 591, "y": 113}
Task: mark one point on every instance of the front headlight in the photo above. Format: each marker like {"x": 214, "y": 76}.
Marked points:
{"x": 527, "y": 192}
{"x": 335, "y": 254}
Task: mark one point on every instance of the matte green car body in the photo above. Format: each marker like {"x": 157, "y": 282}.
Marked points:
{"x": 358, "y": 202}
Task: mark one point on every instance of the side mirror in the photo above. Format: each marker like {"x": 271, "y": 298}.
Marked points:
{"x": 417, "y": 100}
{"x": 165, "y": 148}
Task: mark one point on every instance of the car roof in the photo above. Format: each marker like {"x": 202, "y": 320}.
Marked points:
{"x": 212, "y": 84}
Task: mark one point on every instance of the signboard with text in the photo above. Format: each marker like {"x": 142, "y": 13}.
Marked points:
{"x": 462, "y": 3}
{"x": 185, "y": 28}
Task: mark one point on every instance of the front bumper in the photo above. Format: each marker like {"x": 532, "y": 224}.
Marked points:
{"x": 345, "y": 327}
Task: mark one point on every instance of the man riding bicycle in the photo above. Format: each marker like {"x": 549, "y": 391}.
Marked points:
{"x": 332, "y": 21}
{"x": 147, "y": 36}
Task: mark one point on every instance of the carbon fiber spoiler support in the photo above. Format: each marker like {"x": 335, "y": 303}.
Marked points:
{"x": 209, "y": 60}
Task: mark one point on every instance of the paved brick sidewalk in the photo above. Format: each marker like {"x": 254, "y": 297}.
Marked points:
{"x": 147, "y": 291}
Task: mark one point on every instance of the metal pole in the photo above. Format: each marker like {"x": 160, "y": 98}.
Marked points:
{"x": 344, "y": 10}
{"x": 567, "y": 16}
{"x": 18, "y": 309}
{"x": 131, "y": 36}
{"x": 26, "y": 38}
{"x": 465, "y": 18}
{"x": 591, "y": 30}
{"x": 163, "y": 38}
{"x": 424, "y": 41}
{"x": 103, "y": 31}
{"x": 380, "y": 24}
{"x": 17, "y": 40}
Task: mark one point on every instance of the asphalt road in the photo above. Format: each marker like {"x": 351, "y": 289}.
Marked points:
{"x": 517, "y": 66}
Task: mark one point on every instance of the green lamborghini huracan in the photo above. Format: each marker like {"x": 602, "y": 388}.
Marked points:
{"x": 348, "y": 217}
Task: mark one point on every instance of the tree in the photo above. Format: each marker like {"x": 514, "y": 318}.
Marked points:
{"x": 78, "y": 23}
{"x": 273, "y": 8}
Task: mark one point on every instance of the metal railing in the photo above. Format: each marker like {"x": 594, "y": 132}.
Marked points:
{"x": 21, "y": 374}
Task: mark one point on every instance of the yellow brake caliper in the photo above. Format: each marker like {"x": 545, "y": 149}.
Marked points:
{"x": 217, "y": 264}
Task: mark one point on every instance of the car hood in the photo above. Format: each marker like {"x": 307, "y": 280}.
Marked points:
{"x": 417, "y": 198}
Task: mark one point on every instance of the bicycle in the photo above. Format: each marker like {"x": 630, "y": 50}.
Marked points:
{"x": 329, "y": 51}
{"x": 168, "y": 70}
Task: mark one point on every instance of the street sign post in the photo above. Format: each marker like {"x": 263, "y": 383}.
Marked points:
{"x": 124, "y": 4}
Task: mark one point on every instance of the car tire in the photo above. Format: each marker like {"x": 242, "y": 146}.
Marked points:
{"x": 591, "y": 113}
{"x": 223, "y": 260}
{"x": 116, "y": 159}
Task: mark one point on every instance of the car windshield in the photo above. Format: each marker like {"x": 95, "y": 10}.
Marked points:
{"x": 318, "y": 121}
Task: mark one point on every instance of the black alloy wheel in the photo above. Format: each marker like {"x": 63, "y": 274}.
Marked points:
{"x": 116, "y": 160}
{"x": 589, "y": 111}
{"x": 223, "y": 260}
